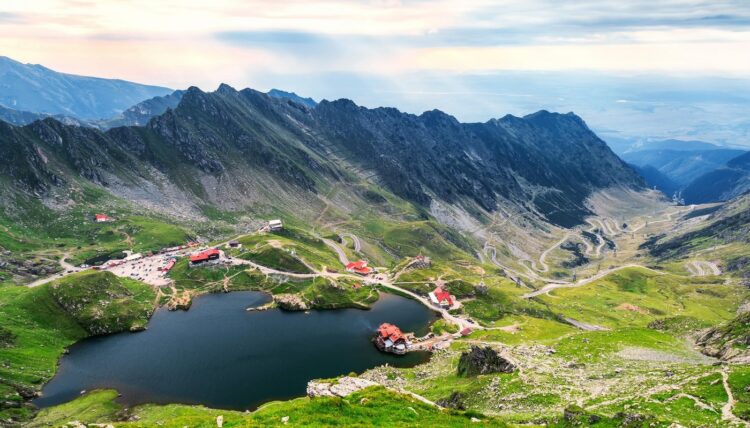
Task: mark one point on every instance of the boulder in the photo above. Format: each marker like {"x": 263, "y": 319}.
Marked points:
{"x": 290, "y": 302}
{"x": 485, "y": 360}
{"x": 340, "y": 388}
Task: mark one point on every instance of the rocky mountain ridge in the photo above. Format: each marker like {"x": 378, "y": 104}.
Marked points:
{"x": 232, "y": 149}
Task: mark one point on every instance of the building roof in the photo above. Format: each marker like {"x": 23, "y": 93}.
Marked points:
{"x": 390, "y": 332}
{"x": 204, "y": 255}
{"x": 466, "y": 331}
{"x": 101, "y": 217}
{"x": 443, "y": 295}
{"x": 359, "y": 264}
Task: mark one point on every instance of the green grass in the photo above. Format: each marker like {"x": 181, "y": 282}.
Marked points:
{"x": 103, "y": 303}
{"x": 95, "y": 407}
{"x": 600, "y": 345}
{"x": 373, "y": 406}
{"x": 276, "y": 258}
{"x": 739, "y": 382}
{"x": 442, "y": 326}
{"x": 42, "y": 330}
{"x": 47, "y": 319}
{"x": 636, "y": 297}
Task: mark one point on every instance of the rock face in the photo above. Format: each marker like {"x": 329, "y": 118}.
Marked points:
{"x": 485, "y": 360}
{"x": 728, "y": 342}
{"x": 290, "y": 302}
{"x": 343, "y": 387}
{"x": 455, "y": 401}
{"x": 264, "y": 149}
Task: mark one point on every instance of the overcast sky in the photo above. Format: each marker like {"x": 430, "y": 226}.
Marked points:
{"x": 475, "y": 59}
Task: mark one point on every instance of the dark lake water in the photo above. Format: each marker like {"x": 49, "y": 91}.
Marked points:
{"x": 222, "y": 356}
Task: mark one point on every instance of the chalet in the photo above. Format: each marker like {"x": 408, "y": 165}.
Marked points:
{"x": 101, "y": 218}
{"x": 359, "y": 267}
{"x": 441, "y": 298}
{"x": 204, "y": 257}
{"x": 234, "y": 244}
{"x": 275, "y": 225}
{"x": 389, "y": 338}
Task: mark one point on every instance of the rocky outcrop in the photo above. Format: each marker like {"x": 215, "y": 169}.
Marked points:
{"x": 455, "y": 401}
{"x": 340, "y": 388}
{"x": 728, "y": 342}
{"x": 479, "y": 361}
{"x": 290, "y": 302}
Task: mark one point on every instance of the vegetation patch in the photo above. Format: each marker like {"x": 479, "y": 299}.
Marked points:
{"x": 103, "y": 303}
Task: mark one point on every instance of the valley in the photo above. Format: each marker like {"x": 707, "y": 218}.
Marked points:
{"x": 537, "y": 279}
{"x": 608, "y": 337}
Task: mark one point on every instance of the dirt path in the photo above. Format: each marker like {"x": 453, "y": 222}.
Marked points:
{"x": 726, "y": 410}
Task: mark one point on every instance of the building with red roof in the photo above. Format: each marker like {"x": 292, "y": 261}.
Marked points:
{"x": 101, "y": 218}
{"x": 389, "y": 338}
{"x": 204, "y": 256}
{"x": 441, "y": 298}
{"x": 359, "y": 267}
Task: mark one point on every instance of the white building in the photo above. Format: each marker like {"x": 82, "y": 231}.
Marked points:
{"x": 275, "y": 225}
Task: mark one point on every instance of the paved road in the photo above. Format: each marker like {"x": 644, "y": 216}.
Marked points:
{"x": 460, "y": 322}
{"x": 702, "y": 268}
{"x": 339, "y": 251}
{"x": 67, "y": 269}
{"x": 355, "y": 240}
{"x": 549, "y": 287}
{"x": 543, "y": 256}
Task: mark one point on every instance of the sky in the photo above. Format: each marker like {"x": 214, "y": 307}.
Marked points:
{"x": 634, "y": 69}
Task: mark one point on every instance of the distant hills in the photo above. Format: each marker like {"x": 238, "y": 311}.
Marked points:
{"x": 33, "y": 88}
{"x": 694, "y": 171}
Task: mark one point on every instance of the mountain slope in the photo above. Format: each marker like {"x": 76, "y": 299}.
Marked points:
{"x": 721, "y": 184}
{"x": 37, "y": 89}
{"x": 657, "y": 180}
{"x": 278, "y": 93}
{"x": 238, "y": 150}
{"x": 682, "y": 166}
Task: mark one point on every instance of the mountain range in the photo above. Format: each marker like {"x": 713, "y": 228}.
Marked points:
{"x": 37, "y": 89}
{"x": 240, "y": 149}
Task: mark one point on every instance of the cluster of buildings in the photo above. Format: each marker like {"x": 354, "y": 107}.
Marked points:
{"x": 359, "y": 267}
{"x": 389, "y": 338}
{"x": 206, "y": 257}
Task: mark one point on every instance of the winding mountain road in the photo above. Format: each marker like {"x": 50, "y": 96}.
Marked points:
{"x": 549, "y": 287}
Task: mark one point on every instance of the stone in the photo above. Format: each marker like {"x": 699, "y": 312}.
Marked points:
{"x": 485, "y": 360}
{"x": 341, "y": 388}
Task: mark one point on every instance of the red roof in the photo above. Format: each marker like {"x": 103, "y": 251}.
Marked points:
{"x": 390, "y": 331}
{"x": 204, "y": 255}
{"x": 101, "y": 217}
{"x": 466, "y": 331}
{"x": 441, "y": 295}
{"x": 359, "y": 264}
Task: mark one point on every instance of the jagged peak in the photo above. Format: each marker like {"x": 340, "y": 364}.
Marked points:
{"x": 225, "y": 89}
{"x": 438, "y": 116}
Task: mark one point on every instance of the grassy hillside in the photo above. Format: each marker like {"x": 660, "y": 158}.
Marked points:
{"x": 39, "y": 323}
{"x": 103, "y": 303}
{"x": 370, "y": 407}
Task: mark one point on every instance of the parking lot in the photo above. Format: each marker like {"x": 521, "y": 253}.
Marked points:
{"x": 145, "y": 269}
